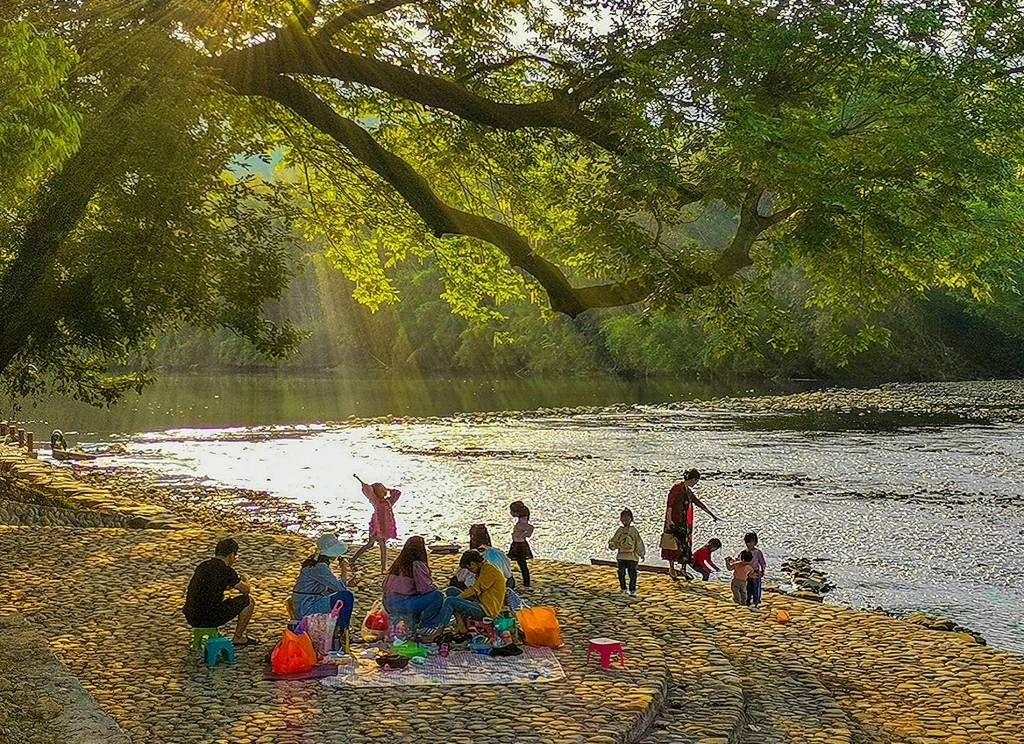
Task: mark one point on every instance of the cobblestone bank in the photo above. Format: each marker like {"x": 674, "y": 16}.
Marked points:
{"x": 30, "y": 481}
{"x": 700, "y": 670}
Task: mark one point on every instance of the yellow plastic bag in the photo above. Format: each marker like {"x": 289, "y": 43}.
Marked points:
{"x": 540, "y": 626}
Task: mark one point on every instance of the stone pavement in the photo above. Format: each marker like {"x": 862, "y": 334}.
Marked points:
{"x": 699, "y": 669}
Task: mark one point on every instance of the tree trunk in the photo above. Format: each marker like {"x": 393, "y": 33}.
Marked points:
{"x": 29, "y": 288}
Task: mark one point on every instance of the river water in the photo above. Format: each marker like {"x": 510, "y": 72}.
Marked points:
{"x": 906, "y": 512}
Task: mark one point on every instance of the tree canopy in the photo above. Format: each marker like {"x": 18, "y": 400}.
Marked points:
{"x": 683, "y": 156}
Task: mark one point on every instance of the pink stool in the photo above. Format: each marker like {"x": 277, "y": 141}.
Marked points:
{"x": 606, "y": 647}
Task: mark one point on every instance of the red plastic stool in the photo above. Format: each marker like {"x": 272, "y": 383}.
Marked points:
{"x": 606, "y": 647}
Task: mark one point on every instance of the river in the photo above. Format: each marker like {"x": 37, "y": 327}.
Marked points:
{"x": 906, "y": 512}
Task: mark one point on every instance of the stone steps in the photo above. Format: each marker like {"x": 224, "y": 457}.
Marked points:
{"x": 783, "y": 702}
{"x": 705, "y": 700}
{"x": 23, "y": 513}
{"x": 25, "y": 479}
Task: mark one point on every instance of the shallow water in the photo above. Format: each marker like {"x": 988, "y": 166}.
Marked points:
{"x": 910, "y": 513}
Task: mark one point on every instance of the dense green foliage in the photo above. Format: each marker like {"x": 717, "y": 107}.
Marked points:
{"x": 768, "y": 186}
{"x": 38, "y": 126}
{"x": 938, "y": 337}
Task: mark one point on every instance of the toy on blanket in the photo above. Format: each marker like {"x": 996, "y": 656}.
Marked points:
{"x": 409, "y": 648}
{"x": 483, "y": 628}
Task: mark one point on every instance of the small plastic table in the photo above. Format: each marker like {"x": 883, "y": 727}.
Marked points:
{"x": 606, "y": 647}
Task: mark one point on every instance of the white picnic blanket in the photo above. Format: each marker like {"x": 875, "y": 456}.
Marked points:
{"x": 458, "y": 668}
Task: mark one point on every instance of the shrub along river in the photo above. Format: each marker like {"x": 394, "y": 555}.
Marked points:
{"x": 910, "y": 496}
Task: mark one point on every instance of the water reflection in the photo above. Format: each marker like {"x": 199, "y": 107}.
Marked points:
{"x": 248, "y": 400}
{"x": 911, "y": 512}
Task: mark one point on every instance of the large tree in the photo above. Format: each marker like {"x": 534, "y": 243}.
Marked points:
{"x": 569, "y": 151}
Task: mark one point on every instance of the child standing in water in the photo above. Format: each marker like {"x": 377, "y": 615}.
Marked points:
{"x": 382, "y": 523}
{"x": 757, "y": 569}
{"x": 631, "y": 550}
{"x": 740, "y": 568}
{"x": 522, "y": 530}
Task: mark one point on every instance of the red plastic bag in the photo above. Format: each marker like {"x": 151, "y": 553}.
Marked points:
{"x": 375, "y": 625}
{"x": 293, "y": 653}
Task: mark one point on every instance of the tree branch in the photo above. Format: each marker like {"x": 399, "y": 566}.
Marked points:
{"x": 441, "y": 218}
{"x": 356, "y": 14}
{"x": 288, "y": 54}
{"x": 508, "y": 63}
{"x": 781, "y": 216}
{"x": 752, "y": 223}
{"x": 305, "y": 14}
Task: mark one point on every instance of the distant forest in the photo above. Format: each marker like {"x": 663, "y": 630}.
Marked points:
{"x": 933, "y": 337}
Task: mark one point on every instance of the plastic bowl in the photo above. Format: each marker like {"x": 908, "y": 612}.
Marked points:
{"x": 392, "y": 660}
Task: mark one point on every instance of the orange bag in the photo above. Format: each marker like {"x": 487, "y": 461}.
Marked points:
{"x": 293, "y": 653}
{"x": 540, "y": 626}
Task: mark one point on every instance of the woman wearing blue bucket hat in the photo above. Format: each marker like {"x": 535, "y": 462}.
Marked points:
{"x": 317, "y": 589}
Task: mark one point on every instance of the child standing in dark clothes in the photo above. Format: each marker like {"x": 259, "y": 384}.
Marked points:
{"x": 757, "y": 568}
{"x": 522, "y": 530}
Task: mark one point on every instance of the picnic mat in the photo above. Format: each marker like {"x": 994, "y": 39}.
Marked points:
{"x": 459, "y": 668}
{"x": 318, "y": 672}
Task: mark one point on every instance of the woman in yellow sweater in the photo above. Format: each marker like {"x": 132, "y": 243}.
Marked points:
{"x": 486, "y": 596}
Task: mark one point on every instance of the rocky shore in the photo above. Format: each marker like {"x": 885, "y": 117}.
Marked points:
{"x": 96, "y": 569}
{"x": 995, "y": 400}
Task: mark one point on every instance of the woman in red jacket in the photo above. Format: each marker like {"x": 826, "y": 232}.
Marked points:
{"x": 679, "y": 522}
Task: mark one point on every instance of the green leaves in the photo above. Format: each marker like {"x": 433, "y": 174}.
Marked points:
{"x": 38, "y": 125}
{"x": 845, "y": 156}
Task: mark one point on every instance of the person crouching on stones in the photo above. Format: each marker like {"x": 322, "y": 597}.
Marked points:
{"x": 484, "y": 598}
{"x": 702, "y": 562}
{"x": 205, "y": 604}
{"x": 317, "y": 589}
{"x": 741, "y": 568}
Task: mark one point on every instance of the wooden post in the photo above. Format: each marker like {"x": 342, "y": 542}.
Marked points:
{"x": 21, "y": 437}
{"x": 30, "y": 440}
{"x": 3, "y": 430}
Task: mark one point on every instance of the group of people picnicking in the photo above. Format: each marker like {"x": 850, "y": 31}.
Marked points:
{"x": 482, "y": 587}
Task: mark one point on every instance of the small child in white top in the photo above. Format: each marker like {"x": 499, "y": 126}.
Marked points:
{"x": 630, "y": 551}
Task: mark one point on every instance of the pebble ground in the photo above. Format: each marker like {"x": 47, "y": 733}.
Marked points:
{"x": 699, "y": 669}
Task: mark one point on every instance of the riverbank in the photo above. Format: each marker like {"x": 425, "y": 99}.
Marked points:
{"x": 699, "y": 669}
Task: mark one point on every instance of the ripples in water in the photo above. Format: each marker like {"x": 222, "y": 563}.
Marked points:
{"x": 918, "y": 512}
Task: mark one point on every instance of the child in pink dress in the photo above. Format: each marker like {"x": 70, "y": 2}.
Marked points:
{"x": 382, "y": 523}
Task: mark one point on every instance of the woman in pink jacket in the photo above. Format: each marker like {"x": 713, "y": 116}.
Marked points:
{"x": 409, "y": 590}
